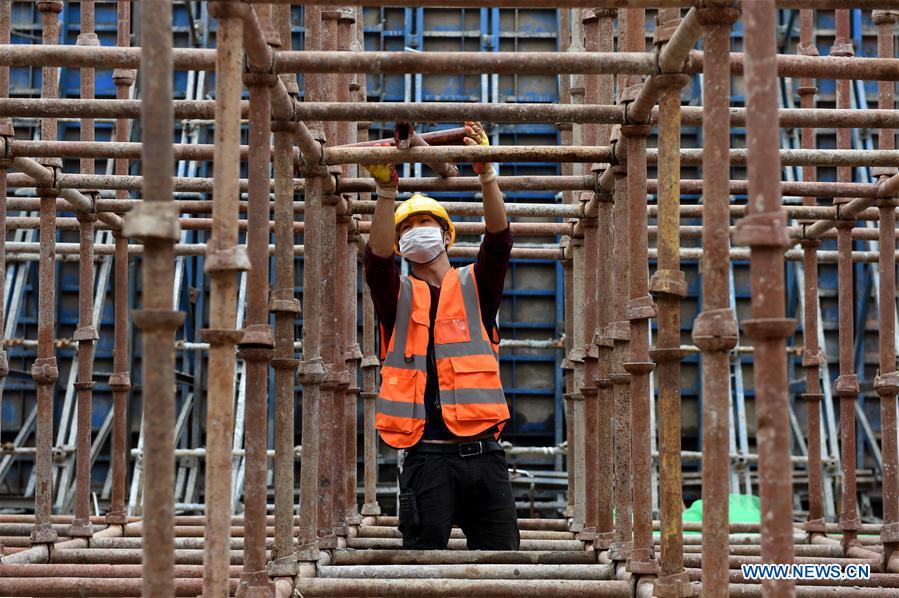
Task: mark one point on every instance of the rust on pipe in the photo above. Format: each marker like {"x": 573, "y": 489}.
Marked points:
{"x": 224, "y": 260}
{"x": 639, "y": 309}
{"x": 337, "y": 30}
{"x": 715, "y": 329}
{"x": 587, "y": 323}
{"x": 458, "y": 587}
{"x": 580, "y": 279}
{"x": 44, "y": 369}
{"x": 812, "y": 356}
{"x": 120, "y": 380}
{"x": 886, "y": 383}
{"x": 619, "y": 332}
{"x": 846, "y": 384}
{"x": 347, "y": 90}
{"x": 156, "y": 224}
{"x": 86, "y": 333}
{"x": 6, "y": 132}
{"x": 513, "y": 183}
{"x": 336, "y": 156}
{"x": 763, "y": 230}
{"x": 442, "y": 137}
{"x": 318, "y": 88}
{"x": 257, "y": 344}
{"x": 462, "y": 63}
{"x": 286, "y": 308}
{"x": 589, "y": 112}
{"x": 370, "y": 362}
{"x": 599, "y": 36}
{"x": 429, "y": 111}
{"x": 312, "y": 369}
{"x": 668, "y": 285}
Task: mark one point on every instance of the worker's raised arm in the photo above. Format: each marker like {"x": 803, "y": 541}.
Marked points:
{"x": 494, "y": 208}
{"x": 383, "y": 234}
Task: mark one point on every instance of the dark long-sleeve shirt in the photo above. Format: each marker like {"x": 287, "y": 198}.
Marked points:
{"x": 383, "y": 279}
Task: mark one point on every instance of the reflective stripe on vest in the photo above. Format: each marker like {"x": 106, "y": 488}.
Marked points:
{"x": 471, "y": 394}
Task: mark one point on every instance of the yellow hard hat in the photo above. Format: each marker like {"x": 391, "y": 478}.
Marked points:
{"x": 422, "y": 204}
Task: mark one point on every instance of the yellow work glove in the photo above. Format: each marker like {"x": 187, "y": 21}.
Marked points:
{"x": 475, "y": 135}
{"x": 386, "y": 177}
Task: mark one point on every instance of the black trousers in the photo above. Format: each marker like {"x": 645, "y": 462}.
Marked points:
{"x": 472, "y": 492}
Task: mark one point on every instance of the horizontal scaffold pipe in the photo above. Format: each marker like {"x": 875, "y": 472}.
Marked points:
{"x": 440, "y": 112}
{"x": 425, "y": 184}
{"x": 25, "y": 251}
{"x": 532, "y": 229}
{"x": 820, "y": 4}
{"x": 456, "y": 208}
{"x": 428, "y": 154}
{"x": 453, "y": 63}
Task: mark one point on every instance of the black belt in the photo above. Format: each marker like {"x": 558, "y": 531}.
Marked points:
{"x": 462, "y": 449}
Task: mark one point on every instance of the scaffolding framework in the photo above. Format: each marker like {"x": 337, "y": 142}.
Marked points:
{"x": 308, "y": 121}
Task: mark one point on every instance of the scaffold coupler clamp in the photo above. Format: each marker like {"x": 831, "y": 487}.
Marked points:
{"x": 676, "y": 585}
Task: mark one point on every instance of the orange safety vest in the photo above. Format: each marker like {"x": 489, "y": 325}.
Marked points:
{"x": 471, "y": 394}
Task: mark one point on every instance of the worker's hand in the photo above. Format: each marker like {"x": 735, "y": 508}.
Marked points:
{"x": 475, "y": 135}
{"x": 384, "y": 174}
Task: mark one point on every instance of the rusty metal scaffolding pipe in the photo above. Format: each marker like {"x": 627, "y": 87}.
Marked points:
{"x": 44, "y": 369}
{"x": 336, "y": 156}
{"x": 589, "y": 112}
{"x": 286, "y": 308}
{"x": 224, "y": 260}
{"x": 715, "y": 328}
{"x": 531, "y": 588}
{"x": 762, "y": 230}
{"x": 812, "y": 358}
{"x": 86, "y": 333}
{"x": 676, "y": 40}
{"x": 668, "y": 285}
{"x": 370, "y": 362}
{"x": 639, "y": 309}
{"x": 69, "y": 252}
{"x": 312, "y": 369}
{"x": 67, "y": 586}
{"x": 6, "y": 131}
{"x": 673, "y": 54}
{"x": 886, "y": 383}
{"x": 156, "y": 223}
{"x": 119, "y": 379}
{"x": 46, "y": 177}
{"x": 257, "y": 344}
{"x": 619, "y": 331}
{"x": 512, "y": 183}
{"x": 459, "y": 63}
{"x": 319, "y": 87}
{"x": 823, "y": 4}
{"x": 599, "y": 36}
{"x": 846, "y": 385}
{"x": 349, "y": 26}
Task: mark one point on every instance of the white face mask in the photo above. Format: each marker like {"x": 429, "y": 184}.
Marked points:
{"x": 421, "y": 244}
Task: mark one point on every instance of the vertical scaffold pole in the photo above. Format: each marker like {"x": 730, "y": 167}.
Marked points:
{"x": 44, "y": 370}
{"x": 715, "y": 329}
{"x": 155, "y": 222}
{"x": 120, "y": 379}
{"x": 257, "y": 344}
{"x": 887, "y": 381}
{"x": 224, "y": 260}
{"x": 764, "y": 230}
{"x": 286, "y": 308}
{"x": 86, "y": 333}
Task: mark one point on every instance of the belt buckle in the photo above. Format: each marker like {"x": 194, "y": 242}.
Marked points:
{"x": 471, "y": 449}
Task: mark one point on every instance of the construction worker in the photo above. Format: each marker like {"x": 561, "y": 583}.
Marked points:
{"x": 441, "y": 398}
